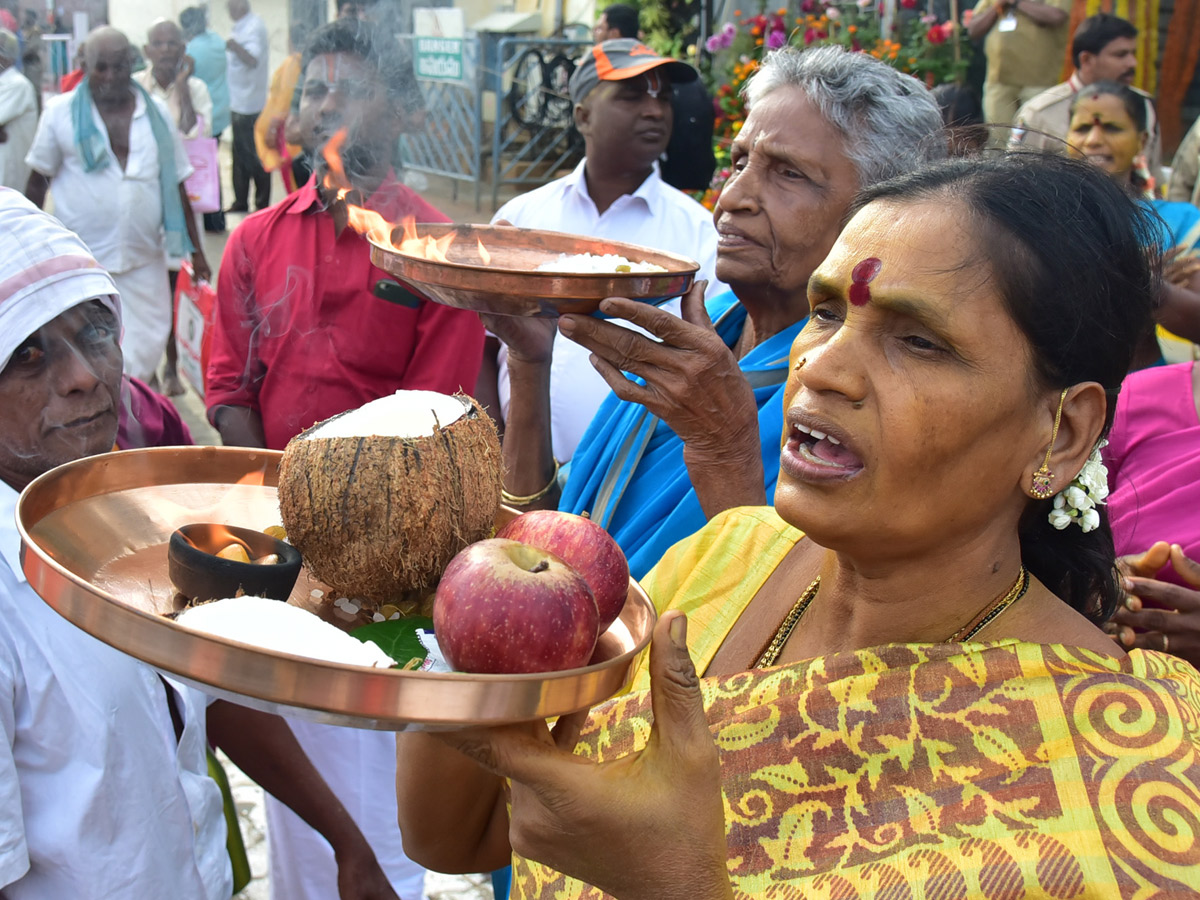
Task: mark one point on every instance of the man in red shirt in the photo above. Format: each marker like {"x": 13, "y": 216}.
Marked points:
{"x": 305, "y": 327}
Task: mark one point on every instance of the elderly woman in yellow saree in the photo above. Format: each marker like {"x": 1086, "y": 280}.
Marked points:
{"x": 905, "y": 693}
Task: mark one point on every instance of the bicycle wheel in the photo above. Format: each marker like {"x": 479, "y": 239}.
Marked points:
{"x": 558, "y": 110}
{"x": 525, "y": 101}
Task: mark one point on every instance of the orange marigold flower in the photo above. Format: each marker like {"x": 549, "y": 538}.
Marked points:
{"x": 853, "y": 29}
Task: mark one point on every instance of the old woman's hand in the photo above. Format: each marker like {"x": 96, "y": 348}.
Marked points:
{"x": 1159, "y": 615}
{"x": 692, "y": 382}
{"x": 648, "y": 826}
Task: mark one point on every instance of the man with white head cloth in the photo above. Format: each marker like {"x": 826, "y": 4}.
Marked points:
{"x": 104, "y": 790}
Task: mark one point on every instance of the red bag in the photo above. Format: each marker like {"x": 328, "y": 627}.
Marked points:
{"x": 194, "y": 308}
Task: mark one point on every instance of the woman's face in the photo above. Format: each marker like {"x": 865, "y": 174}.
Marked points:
{"x": 1103, "y": 133}
{"x": 780, "y": 210}
{"x": 911, "y": 414}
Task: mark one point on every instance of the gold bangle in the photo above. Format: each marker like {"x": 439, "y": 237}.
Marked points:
{"x": 531, "y": 498}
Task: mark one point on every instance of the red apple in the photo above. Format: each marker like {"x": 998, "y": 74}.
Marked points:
{"x": 585, "y": 547}
{"x": 504, "y": 607}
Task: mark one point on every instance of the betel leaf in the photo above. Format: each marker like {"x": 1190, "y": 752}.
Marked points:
{"x": 397, "y": 637}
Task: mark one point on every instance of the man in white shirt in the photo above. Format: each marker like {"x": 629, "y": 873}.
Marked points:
{"x": 248, "y": 72}
{"x": 622, "y": 96}
{"x": 105, "y": 150}
{"x": 104, "y": 786}
{"x": 169, "y": 78}
{"x": 18, "y": 114}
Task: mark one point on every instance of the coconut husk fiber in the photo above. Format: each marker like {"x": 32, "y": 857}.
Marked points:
{"x": 376, "y": 517}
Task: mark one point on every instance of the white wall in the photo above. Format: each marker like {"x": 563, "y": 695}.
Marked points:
{"x": 134, "y": 17}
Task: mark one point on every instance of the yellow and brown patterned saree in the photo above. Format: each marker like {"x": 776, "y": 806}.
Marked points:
{"x": 912, "y": 772}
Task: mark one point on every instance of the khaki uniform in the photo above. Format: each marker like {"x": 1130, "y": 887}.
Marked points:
{"x": 1021, "y": 63}
{"x": 1048, "y": 116}
{"x": 1185, "y": 174}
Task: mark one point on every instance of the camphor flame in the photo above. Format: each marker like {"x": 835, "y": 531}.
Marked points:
{"x": 374, "y": 226}
{"x": 219, "y": 537}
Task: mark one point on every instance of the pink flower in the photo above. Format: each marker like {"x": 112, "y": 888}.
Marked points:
{"x": 934, "y": 35}
{"x": 810, "y": 36}
{"x": 928, "y": 19}
{"x": 833, "y": 13}
{"x": 776, "y": 39}
{"x": 947, "y": 29}
{"x": 909, "y": 4}
{"x": 968, "y": 16}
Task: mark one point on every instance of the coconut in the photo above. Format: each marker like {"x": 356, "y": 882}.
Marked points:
{"x": 378, "y": 500}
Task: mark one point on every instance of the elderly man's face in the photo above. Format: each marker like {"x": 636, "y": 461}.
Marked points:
{"x": 164, "y": 47}
{"x": 109, "y": 69}
{"x": 781, "y": 209}
{"x": 60, "y": 394}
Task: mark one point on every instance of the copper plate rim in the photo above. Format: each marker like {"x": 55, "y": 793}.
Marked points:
{"x": 42, "y": 571}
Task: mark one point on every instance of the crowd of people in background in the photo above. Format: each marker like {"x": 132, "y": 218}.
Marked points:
{"x": 1044, "y": 207}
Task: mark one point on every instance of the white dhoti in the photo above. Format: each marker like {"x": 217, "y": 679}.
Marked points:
{"x": 146, "y": 317}
{"x": 360, "y": 768}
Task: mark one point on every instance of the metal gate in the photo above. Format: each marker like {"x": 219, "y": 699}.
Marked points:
{"x": 534, "y": 138}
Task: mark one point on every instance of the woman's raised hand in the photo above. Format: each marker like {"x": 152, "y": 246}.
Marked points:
{"x": 692, "y": 382}
{"x": 1159, "y": 615}
{"x": 647, "y": 826}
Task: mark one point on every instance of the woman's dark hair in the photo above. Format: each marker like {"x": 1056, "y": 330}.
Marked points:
{"x": 1097, "y": 32}
{"x": 1134, "y": 103}
{"x": 377, "y": 48}
{"x": 1067, "y": 249}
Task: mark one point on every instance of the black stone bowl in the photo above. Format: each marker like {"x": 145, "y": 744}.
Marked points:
{"x": 200, "y": 575}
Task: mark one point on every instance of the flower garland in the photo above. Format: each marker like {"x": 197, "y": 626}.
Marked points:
{"x": 1077, "y": 502}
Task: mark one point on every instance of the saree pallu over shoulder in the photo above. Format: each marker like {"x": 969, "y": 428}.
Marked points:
{"x": 1006, "y": 771}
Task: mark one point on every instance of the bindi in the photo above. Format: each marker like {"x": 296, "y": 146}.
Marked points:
{"x": 860, "y": 279}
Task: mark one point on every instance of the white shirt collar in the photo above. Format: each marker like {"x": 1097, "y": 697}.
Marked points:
{"x": 647, "y": 191}
{"x": 10, "y": 539}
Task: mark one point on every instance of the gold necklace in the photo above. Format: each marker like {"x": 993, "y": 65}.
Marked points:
{"x": 770, "y": 653}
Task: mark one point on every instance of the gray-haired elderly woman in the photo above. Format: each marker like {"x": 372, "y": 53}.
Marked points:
{"x": 701, "y": 434}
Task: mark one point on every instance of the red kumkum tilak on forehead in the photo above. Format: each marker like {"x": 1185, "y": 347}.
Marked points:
{"x": 860, "y": 279}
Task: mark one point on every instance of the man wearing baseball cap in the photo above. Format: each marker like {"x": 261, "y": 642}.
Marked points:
{"x": 621, "y": 91}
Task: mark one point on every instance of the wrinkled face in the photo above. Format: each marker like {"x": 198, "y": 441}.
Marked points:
{"x": 1116, "y": 61}
{"x": 782, "y": 207}
{"x": 59, "y": 394}
{"x": 1103, "y": 133}
{"x": 628, "y": 119}
{"x": 164, "y": 47}
{"x": 911, "y": 420}
{"x": 343, "y": 91}
{"x": 108, "y": 68}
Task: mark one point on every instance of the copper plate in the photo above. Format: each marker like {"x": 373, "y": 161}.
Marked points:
{"x": 510, "y": 285}
{"x": 94, "y": 546}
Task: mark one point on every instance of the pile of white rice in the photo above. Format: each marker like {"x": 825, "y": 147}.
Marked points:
{"x": 284, "y": 628}
{"x": 587, "y": 263}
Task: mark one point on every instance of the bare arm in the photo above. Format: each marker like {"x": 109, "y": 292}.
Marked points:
{"x": 981, "y": 23}
{"x": 1045, "y": 15}
{"x": 36, "y": 187}
{"x": 453, "y": 816}
{"x": 693, "y": 383}
{"x": 199, "y": 262}
{"x": 187, "y": 112}
{"x": 264, "y": 747}
{"x": 528, "y": 443}
{"x": 241, "y": 53}
{"x": 239, "y": 426}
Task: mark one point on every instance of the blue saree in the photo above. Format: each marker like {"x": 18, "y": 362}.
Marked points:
{"x": 628, "y": 471}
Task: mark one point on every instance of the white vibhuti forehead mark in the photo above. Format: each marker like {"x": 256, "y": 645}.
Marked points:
{"x": 654, "y": 83}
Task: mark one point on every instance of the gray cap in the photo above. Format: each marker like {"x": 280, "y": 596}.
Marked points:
{"x": 623, "y": 58}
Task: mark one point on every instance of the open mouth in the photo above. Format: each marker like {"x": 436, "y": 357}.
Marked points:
{"x": 813, "y": 454}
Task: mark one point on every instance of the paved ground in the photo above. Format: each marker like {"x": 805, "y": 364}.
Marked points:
{"x": 247, "y": 795}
